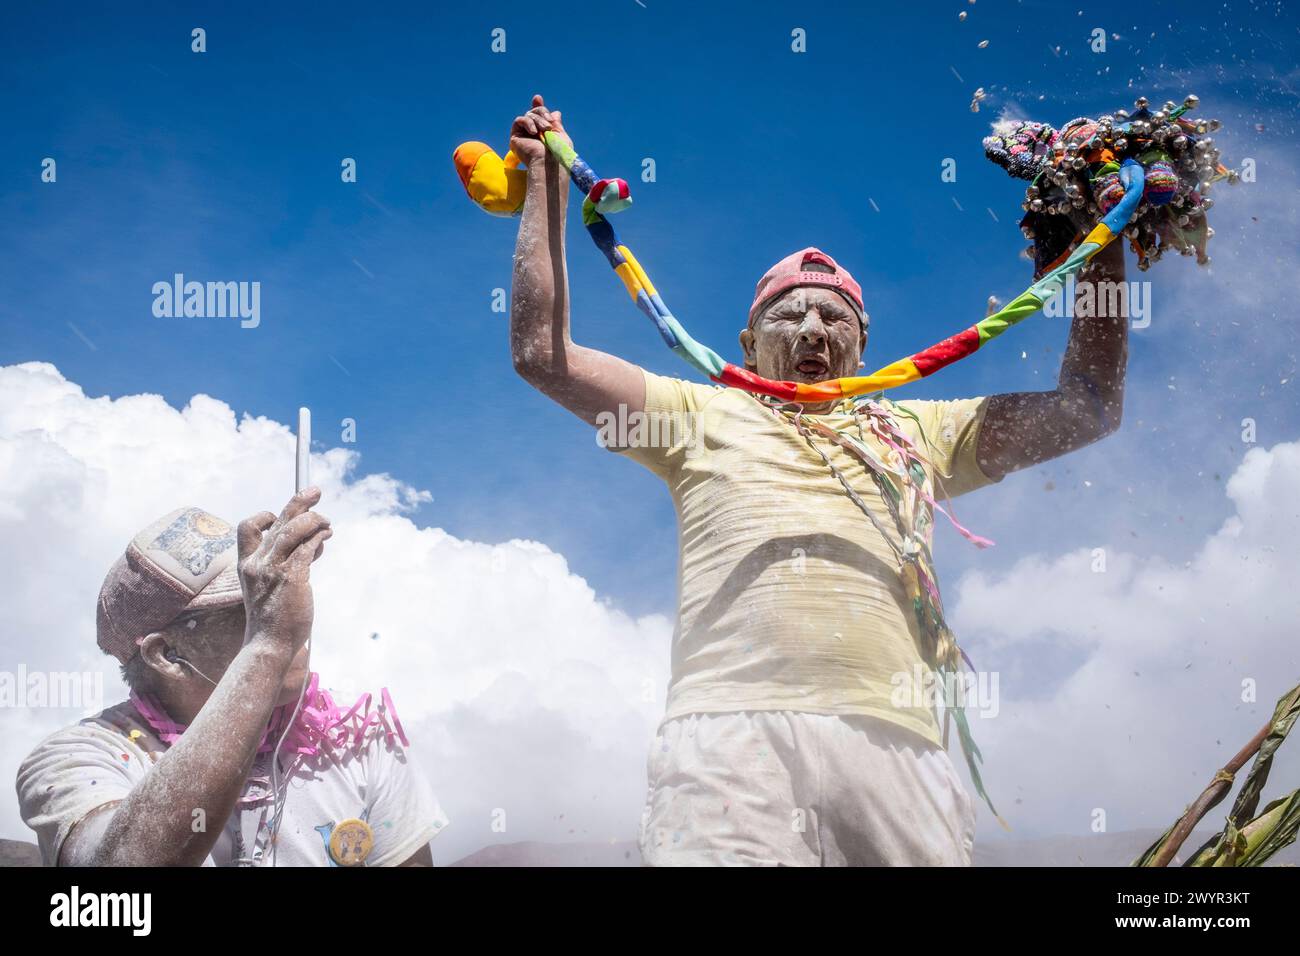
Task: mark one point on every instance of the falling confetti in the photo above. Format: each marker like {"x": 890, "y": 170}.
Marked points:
{"x": 983, "y": 44}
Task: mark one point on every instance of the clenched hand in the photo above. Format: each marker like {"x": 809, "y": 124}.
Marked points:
{"x": 526, "y": 132}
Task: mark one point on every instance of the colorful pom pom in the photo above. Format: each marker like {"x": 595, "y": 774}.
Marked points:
{"x": 1108, "y": 191}
{"x": 1162, "y": 182}
{"x": 610, "y": 196}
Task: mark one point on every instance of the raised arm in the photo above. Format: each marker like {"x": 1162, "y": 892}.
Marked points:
{"x": 585, "y": 381}
{"x": 1025, "y": 428}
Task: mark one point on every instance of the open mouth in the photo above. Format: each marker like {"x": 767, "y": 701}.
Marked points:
{"x": 813, "y": 368}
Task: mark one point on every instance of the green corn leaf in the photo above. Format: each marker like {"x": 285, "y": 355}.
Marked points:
{"x": 1284, "y": 718}
{"x": 1272, "y": 830}
{"x": 1245, "y": 841}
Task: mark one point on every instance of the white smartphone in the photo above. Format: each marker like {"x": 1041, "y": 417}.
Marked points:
{"x": 302, "y": 473}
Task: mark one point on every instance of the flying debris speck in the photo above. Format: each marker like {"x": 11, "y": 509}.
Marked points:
{"x": 983, "y": 44}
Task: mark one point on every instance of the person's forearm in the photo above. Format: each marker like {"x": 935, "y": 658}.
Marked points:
{"x": 539, "y": 300}
{"x": 1091, "y": 381}
{"x": 1025, "y": 428}
{"x": 157, "y": 824}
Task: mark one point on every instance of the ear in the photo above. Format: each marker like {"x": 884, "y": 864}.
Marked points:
{"x": 747, "y": 348}
{"x": 154, "y": 649}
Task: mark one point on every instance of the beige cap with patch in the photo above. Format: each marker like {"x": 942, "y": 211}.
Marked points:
{"x": 185, "y": 561}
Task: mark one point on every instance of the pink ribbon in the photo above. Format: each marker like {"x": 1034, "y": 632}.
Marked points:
{"x": 320, "y": 721}
{"x": 900, "y": 443}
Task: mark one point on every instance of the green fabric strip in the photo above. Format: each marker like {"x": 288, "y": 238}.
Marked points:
{"x": 1050, "y": 284}
{"x": 700, "y": 356}
{"x": 562, "y": 151}
{"x": 1018, "y": 309}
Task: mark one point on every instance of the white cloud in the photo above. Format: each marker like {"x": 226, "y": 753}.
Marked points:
{"x": 1121, "y": 689}
{"x": 525, "y": 691}
{"x": 520, "y": 687}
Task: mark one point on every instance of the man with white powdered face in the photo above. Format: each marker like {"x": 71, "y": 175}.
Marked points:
{"x": 807, "y": 596}
{"x": 228, "y": 752}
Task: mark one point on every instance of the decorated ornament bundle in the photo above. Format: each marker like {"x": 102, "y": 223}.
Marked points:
{"x": 1074, "y": 175}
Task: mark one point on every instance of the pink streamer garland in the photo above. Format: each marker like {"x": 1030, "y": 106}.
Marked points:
{"x": 320, "y": 721}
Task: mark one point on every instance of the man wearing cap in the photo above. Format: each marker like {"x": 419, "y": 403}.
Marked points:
{"x": 784, "y": 742}
{"x": 213, "y": 760}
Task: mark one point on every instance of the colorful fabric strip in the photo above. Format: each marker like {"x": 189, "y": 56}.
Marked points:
{"x": 612, "y": 195}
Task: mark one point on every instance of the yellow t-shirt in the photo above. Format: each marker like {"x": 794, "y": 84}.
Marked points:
{"x": 789, "y": 598}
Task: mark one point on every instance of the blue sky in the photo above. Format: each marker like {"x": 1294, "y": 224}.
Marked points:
{"x": 376, "y": 295}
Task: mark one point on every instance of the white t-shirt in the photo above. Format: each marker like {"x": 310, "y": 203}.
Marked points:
{"x": 99, "y": 760}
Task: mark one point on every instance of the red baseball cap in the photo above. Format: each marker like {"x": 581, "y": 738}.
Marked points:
{"x": 184, "y": 561}
{"x": 791, "y": 272}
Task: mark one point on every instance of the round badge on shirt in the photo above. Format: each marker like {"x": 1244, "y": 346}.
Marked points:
{"x": 351, "y": 842}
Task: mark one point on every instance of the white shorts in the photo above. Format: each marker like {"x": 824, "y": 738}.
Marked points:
{"x": 779, "y": 788}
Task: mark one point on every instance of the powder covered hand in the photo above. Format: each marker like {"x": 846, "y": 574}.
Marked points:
{"x": 526, "y": 132}
{"x": 275, "y": 557}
